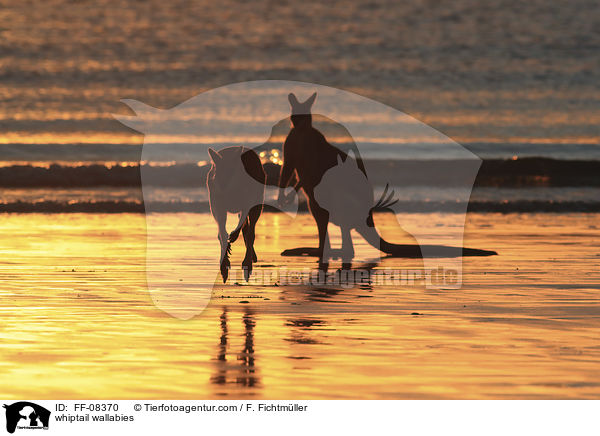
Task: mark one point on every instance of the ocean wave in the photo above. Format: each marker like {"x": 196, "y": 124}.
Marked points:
{"x": 525, "y": 172}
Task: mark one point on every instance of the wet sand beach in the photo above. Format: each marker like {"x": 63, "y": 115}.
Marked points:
{"x": 78, "y": 318}
{"x": 514, "y": 83}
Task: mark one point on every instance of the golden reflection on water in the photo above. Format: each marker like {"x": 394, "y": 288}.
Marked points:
{"x": 78, "y": 322}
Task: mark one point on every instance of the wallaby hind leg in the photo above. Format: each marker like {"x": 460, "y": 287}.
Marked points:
{"x": 321, "y": 217}
{"x": 347, "y": 248}
{"x": 249, "y": 233}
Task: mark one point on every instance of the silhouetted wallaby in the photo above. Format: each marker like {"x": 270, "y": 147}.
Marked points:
{"x": 308, "y": 155}
{"x": 345, "y": 192}
{"x": 236, "y": 184}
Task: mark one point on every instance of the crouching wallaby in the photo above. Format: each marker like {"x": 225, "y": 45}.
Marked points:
{"x": 236, "y": 184}
{"x": 345, "y": 192}
{"x": 337, "y": 190}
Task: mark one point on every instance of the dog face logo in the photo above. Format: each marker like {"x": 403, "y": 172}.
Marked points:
{"x": 389, "y": 148}
{"x": 26, "y": 415}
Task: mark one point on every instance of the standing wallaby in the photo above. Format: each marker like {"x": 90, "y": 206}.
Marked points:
{"x": 236, "y": 184}
{"x": 346, "y": 196}
{"x": 307, "y": 155}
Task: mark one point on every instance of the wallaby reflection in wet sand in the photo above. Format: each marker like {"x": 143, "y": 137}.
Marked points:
{"x": 337, "y": 190}
{"x": 236, "y": 184}
{"x": 246, "y": 371}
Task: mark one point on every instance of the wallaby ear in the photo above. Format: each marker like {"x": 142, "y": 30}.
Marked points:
{"x": 293, "y": 100}
{"x": 214, "y": 155}
{"x": 311, "y": 100}
{"x": 339, "y": 159}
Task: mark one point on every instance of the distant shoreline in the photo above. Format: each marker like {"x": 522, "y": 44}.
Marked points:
{"x": 526, "y": 172}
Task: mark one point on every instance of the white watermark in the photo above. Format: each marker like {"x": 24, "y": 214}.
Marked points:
{"x": 263, "y": 145}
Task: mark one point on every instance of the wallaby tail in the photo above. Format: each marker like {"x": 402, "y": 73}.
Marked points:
{"x": 376, "y": 241}
{"x": 417, "y": 251}
{"x": 385, "y": 202}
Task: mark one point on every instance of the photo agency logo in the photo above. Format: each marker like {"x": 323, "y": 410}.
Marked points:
{"x": 25, "y": 415}
{"x": 287, "y": 148}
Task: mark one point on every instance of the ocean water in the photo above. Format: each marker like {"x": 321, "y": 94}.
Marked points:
{"x": 491, "y": 78}
{"x": 502, "y": 77}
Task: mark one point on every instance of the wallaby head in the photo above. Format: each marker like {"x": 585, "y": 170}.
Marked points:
{"x": 301, "y": 111}
{"x": 227, "y": 165}
{"x": 227, "y": 158}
